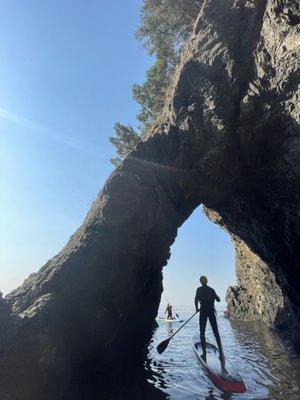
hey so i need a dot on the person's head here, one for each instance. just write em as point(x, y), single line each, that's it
point(203, 280)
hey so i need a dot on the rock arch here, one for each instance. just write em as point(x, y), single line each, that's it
point(228, 138)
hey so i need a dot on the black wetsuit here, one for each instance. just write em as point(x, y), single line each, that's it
point(206, 296)
point(169, 311)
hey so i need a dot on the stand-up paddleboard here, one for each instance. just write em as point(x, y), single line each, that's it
point(168, 320)
point(225, 378)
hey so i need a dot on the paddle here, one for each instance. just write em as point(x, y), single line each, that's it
point(172, 306)
point(164, 344)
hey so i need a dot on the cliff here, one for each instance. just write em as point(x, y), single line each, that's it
point(229, 139)
point(258, 297)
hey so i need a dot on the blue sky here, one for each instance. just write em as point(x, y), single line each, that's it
point(66, 72)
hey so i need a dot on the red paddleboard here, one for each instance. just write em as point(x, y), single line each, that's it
point(224, 377)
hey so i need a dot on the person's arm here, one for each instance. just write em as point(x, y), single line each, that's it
point(196, 301)
point(217, 298)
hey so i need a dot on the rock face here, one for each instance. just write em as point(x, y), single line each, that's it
point(228, 138)
point(259, 297)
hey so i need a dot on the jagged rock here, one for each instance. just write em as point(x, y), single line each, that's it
point(228, 138)
point(258, 296)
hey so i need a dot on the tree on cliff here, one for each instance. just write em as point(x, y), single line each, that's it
point(124, 141)
point(164, 27)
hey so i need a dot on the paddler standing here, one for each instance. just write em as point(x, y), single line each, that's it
point(169, 311)
point(206, 296)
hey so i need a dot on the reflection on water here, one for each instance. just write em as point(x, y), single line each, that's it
point(267, 369)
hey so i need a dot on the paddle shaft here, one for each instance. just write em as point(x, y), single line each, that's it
point(183, 325)
point(172, 306)
point(164, 344)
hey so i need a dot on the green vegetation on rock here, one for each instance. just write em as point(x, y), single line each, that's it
point(164, 27)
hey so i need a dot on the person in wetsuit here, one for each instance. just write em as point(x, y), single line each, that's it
point(169, 311)
point(206, 296)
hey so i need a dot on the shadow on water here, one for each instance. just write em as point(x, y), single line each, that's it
point(267, 369)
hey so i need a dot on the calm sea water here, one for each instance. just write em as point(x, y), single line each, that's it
point(267, 369)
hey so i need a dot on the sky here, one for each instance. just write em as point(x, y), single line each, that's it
point(66, 73)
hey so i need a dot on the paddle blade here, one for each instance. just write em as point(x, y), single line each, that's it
point(162, 346)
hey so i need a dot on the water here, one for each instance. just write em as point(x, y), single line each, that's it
point(266, 368)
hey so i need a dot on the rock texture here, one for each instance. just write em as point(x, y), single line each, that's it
point(259, 297)
point(228, 138)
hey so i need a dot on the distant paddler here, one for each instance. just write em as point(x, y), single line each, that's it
point(206, 296)
point(169, 311)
